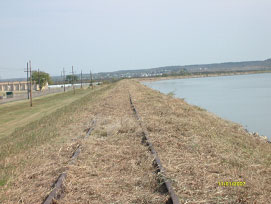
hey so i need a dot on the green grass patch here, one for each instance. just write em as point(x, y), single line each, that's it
point(3, 182)
point(17, 114)
point(49, 115)
point(171, 94)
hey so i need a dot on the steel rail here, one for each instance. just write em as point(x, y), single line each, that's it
point(58, 185)
point(160, 170)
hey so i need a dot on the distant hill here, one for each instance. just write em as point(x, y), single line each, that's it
point(216, 67)
point(171, 70)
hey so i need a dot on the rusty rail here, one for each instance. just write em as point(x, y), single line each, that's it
point(58, 185)
point(166, 186)
point(57, 189)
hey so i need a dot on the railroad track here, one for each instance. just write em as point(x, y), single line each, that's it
point(166, 186)
point(57, 190)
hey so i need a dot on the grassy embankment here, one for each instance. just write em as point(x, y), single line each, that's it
point(22, 126)
point(199, 150)
point(17, 114)
point(113, 166)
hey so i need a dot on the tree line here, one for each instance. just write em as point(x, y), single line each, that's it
point(43, 78)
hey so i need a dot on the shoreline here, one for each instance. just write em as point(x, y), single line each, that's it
point(256, 134)
point(206, 147)
point(151, 79)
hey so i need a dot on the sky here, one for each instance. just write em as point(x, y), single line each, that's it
point(111, 35)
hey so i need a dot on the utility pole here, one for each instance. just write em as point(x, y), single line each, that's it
point(28, 90)
point(91, 83)
point(30, 84)
point(27, 78)
point(64, 78)
point(39, 79)
point(61, 77)
point(81, 79)
point(73, 81)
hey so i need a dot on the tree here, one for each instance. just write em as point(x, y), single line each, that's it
point(183, 72)
point(41, 78)
point(71, 78)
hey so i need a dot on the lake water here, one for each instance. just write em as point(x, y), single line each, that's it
point(245, 99)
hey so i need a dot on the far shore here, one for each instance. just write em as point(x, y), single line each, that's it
point(150, 79)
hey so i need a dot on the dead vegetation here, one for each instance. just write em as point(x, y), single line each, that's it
point(50, 142)
point(199, 149)
point(113, 166)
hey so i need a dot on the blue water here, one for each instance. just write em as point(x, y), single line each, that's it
point(245, 99)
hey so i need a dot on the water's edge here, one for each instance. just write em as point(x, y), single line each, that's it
point(223, 96)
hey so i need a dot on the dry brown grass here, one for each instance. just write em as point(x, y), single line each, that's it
point(199, 149)
point(32, 171)
point(113, 166)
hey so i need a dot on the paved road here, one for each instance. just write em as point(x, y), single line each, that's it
point(23, 96)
